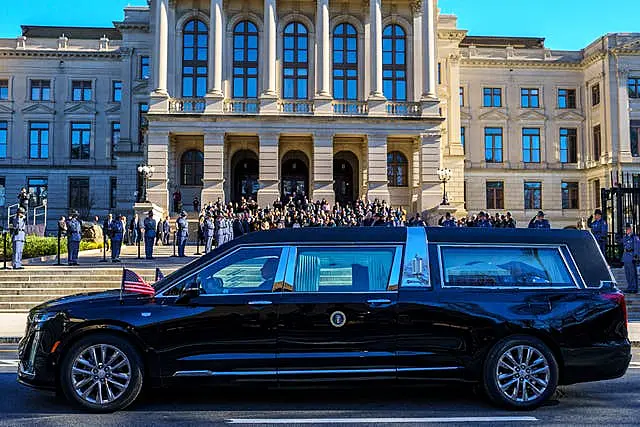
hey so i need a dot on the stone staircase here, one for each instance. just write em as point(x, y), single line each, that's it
point(633, 300)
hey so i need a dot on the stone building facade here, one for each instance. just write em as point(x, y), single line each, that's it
point(334, 99)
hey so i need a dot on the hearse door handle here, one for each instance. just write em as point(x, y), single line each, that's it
point(378, 302)
point(259, 303)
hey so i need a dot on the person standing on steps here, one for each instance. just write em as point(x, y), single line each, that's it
point(630, 258)
point(116, 232)
point(166, 231)
point(74, 235)
point(19, 237)
point(149, 235)
point(208, 232)
point(599, 228)
point(182, 234)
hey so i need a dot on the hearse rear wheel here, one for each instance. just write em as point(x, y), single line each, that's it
point(520, 372)
point(101, 373)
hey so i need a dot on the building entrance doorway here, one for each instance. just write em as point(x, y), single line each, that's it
point(245, 172)
point(295, 175)
point(345, 180)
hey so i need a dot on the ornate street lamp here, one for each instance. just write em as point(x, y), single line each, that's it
point(445, 176)
point(146, 172)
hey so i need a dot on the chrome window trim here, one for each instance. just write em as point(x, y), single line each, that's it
point(515, 245)
point(222, 256)
point(611, 276)
point(393, 274)
point(417, 246)
point(208, 373)
point(573, 262)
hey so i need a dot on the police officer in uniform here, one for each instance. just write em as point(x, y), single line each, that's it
point(630, 258)
point(539, 222)
point(74, 233)
point(599, 228)
point(483, 221)
point(19, 236)
point(182, 235)
point(208, 230)
point(149, 235)
point(116, 232)
point(449, 222)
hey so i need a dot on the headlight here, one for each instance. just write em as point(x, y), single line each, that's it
point(43, 317)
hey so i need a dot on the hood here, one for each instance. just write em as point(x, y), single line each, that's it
point(106, 297)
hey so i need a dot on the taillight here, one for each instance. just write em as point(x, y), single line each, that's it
point(618, 298)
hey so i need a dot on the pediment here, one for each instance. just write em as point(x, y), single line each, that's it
point(141, 88)
point(493, 115)
point(569, 116)
point(38, 109)
point(79, 109)
point(465, 116)
point(114, 109)
point(532, 115)
point(5, 108)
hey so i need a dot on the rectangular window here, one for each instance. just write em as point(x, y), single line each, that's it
point(531, 145)
point(463, 137)
point(79, 193)
point(116, 91)
point(351, 269)
point(492, 97)
point(530, 98)
point(4, 90)
point(635, 138)
point(145, 67)
point(38, 189)
point(81, 90)
point(570, 195)
point(40, 90)
point(461, 96)
point(439, 73)
point(3, 191)
point(495, 195)
point(4, 138)
point(568, 145)
point(595, 94)
point(143, 109)
point(80, 141)
point(493, 145)
point(486, 266)
point(115, 137)
point(634, 87)
point(596, 194)
point(566, 99)
point(533, 195)
point(113, 191)
point(38, 140)
point(597, 143)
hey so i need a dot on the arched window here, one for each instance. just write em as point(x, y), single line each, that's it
point(192, 168)
point(397, 169)
point(296, 61)
point(394, 63)
point(195, 52)
point(245, 60)
point(345, 62)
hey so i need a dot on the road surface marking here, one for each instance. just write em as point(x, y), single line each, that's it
point(379, 420)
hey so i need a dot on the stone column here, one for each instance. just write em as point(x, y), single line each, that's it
point(269, 50)
point(429, 35)
point(375, 11)
point(430, 187)
point(455, 144)
point(323, 167)
point(216, 40)
point(322, 42)
point(161, 47)
point(416, 9)
point(269, 172)
point(158, 156)
point(624, 122)
point(213, 178)
point(377, 180)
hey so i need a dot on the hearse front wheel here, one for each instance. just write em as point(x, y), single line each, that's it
point(520, 372)
point(102, 373)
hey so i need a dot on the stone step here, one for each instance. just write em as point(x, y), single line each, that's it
point(33, 299)
point(41, 292)
point(79, 282)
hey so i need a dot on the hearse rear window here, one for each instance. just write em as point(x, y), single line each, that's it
point(485, 266)
point(343, 269)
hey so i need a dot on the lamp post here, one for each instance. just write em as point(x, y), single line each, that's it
point(146, 172)
point(445, 176)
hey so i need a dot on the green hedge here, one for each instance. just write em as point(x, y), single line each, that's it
point(37, 246)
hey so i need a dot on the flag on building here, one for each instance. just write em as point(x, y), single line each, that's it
point(132, 282)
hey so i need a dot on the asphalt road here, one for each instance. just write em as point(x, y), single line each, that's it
point(614, 402)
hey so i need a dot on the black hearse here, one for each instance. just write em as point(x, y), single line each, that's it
point(516, 311)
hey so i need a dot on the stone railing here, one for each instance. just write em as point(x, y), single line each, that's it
point(295, 106)
point(350, 108)
point(404, 108)
point(187, 105)
point(242, 106)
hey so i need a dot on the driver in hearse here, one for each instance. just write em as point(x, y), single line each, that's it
point(268, 272)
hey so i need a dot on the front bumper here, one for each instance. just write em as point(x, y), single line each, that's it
point(37, 365)
point(600, 362)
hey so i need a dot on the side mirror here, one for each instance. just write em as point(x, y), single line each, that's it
point(189, 292)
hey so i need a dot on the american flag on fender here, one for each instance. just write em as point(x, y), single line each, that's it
point(132, 282)
point(159, 275)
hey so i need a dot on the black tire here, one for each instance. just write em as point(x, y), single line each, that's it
point(491, 380)
point(136, 372)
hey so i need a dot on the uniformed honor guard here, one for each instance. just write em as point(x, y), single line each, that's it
point(182, 233)
point(539, 222)
point(19, 236)
point(599, 228)
point(149, 235)
point(483, 221)
point(116, 232)
point(449, 222)
point(208, 233)
point(74, 235)
point(630, 258)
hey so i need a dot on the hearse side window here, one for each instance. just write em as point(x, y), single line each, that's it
point(343, 269)
point(248, 270)
point(484, 266)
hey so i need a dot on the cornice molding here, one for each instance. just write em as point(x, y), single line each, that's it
point(452, 35)
point(116, 54)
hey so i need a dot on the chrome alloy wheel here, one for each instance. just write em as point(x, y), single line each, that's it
point(522, 373)
point(100, 374)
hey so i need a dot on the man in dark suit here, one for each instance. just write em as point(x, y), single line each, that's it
point(149, 235)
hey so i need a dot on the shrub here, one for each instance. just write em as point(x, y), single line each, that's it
point(37, 246)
